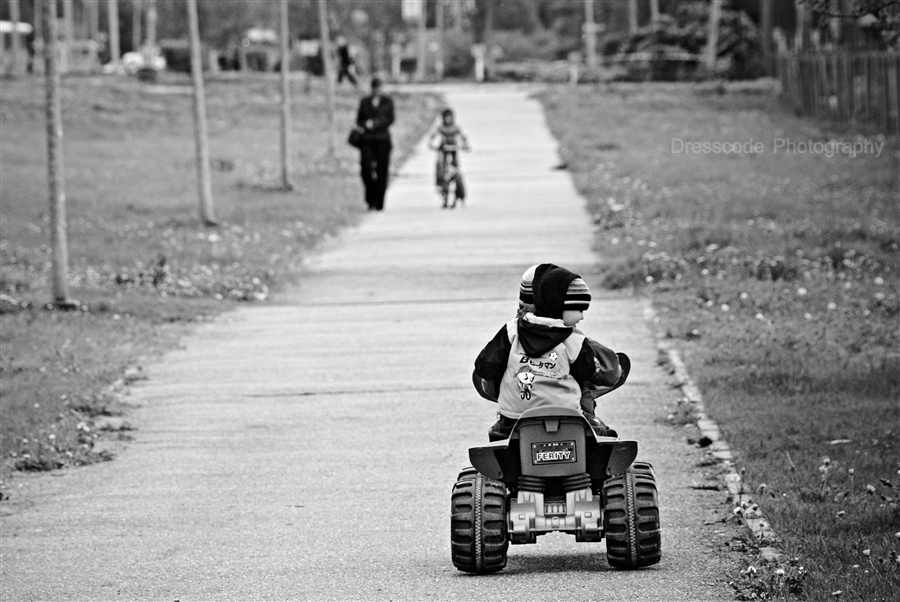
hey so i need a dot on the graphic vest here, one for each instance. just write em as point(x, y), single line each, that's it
point(532, 382)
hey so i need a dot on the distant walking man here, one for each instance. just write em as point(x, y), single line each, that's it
point(374, 117)
point(346, 66)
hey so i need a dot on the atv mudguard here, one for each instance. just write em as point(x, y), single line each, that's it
point(605, 456)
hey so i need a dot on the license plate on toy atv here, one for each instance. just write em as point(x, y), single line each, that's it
point(556, 452)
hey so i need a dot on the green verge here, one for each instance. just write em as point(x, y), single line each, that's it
point(776, 274)
point(141, 265)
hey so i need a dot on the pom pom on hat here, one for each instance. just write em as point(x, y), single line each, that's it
point(526, 292)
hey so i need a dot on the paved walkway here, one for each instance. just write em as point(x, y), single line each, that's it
point(306, 449)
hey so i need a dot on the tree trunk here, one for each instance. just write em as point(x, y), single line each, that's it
point(532, 17)
point(92, 8)
point(712, 42)
point(654, 12)
point(151, 23)
point(439, 25)
point(136, 10)
point(286, 181)
point(201, 137)
point(590, 35)
point(37, 64)
point(765, 34)
point(488, 34)
point(801, 32)
point(65, 63)
point(115, 52)
point(329, 72)
point(422, 58)
point(835, 8)
point(378, 42)
point(15, 49)
point(59, 243)
point(632, 16)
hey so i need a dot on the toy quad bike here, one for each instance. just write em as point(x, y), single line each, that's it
point(554, 473)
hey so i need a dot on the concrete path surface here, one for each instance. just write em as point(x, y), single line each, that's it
point(306, 449)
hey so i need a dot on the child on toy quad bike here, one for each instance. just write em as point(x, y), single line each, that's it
point(447, 140)
point(589, 391)
point(540, 358)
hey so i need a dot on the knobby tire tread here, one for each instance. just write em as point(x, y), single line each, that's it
point(479, 541)
point(631, 518)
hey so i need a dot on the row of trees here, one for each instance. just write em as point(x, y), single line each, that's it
point(555, 27)
point(56, 169)
point(218, 21)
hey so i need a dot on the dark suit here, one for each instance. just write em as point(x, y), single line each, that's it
point(375, 152)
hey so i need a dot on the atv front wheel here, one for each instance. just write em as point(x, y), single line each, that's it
point(631, 518)
point(478, 535)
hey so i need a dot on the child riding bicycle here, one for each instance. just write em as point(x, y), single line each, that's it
point(447, 140)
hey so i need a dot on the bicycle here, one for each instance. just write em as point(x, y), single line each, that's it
point(450, 181)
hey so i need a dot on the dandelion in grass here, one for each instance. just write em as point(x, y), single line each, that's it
point(879, 281)
point(760, 317)
point(879, 296)
point(808, 316)
point(867, 552)
point(831, 306)
point(725, 307)
point(824, 469)
point(801, 292)
point(744, 296)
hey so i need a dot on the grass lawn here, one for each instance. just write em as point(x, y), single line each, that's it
point(141, 265)
point(777, 276)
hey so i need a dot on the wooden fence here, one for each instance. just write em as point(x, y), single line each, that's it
point(849, 87)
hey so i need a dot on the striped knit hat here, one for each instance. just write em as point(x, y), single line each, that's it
point(556, 290)
point(578, 295)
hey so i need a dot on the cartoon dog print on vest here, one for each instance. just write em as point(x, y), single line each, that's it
point(525, 379)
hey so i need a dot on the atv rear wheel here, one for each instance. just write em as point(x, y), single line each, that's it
point(478, 533)
point(631, 518)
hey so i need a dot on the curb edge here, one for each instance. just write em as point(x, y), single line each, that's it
point(743, 503)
